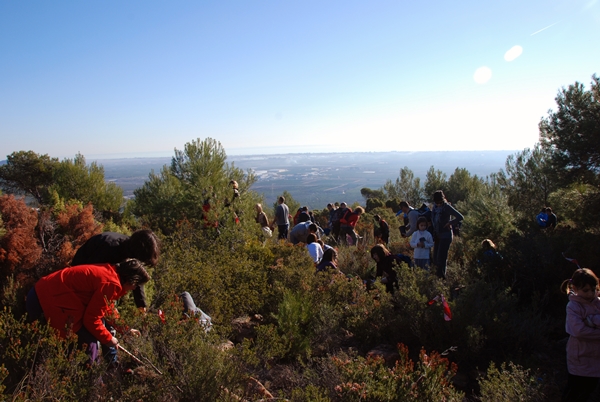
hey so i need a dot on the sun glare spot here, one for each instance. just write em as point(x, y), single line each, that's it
point(482, 75)
point(513, 53)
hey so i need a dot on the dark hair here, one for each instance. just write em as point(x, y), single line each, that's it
point(439, 196)
point(377, 218)
point(420, 220)
point(311, 238)
point(312, 227)
point(580, 278)
point(380, 251)
point(282, 199)
point(144, 246)
point(403, 204)
point(132, 272)
point(329, 255)
point(549, 210)
point(487, 243)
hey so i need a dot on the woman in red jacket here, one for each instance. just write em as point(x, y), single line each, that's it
point(348, 223)
point(76, 299)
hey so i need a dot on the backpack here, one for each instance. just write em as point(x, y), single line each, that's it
point(542, 219)
point(425, 212)
point(344, 219)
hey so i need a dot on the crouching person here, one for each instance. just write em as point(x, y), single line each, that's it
point(76, 299)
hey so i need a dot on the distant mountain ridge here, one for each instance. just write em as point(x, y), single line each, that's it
point(314, 179)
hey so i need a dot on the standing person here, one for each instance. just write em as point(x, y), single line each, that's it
point(282, 213)
point(552, 219)
point(112, 248)
point(384, 230)
point(411, 215)
point(583, 347)
point(77, 299)
point(335, 222)
point(263, 221)
point(348, 223)
point(442, 230)
point(421, 241)
point(332, 213)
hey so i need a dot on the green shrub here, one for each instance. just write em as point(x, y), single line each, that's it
point(192, 364)
point(510, 384)
point(38, 365)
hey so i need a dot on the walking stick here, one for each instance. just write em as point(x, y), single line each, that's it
point(142, 363)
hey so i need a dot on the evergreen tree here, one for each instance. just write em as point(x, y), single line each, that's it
point(28, 173)
point(197, 187)
point(74, 180)
point(571, 134)
point(434, 180)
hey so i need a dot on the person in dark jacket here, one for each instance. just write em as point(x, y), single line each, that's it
point(442, 230)
point(383, 232)
point(329, 261)
point(112, 248)
point(385, 265)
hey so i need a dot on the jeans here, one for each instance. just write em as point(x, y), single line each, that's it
point(283, 231)
point(422, 263)
point(440, 255)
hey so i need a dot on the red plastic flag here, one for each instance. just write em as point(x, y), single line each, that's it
point(430, 302)
point(573, 260)
point(447, 312)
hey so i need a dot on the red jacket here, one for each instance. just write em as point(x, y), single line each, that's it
point(77, 296)
point(350, 218)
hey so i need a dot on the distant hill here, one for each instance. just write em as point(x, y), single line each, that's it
point(314, 179)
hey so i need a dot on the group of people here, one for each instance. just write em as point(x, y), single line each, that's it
point(79, 298)
point(431, 228)
point(426, 229)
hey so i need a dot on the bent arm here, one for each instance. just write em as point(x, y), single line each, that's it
point(412, 223)
point(457, 215)
point(575, 324)
point(94, 312)
point(414, 240)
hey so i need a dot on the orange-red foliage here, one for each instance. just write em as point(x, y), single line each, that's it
point(62, 233)
point(19, 248)
point(78, 225)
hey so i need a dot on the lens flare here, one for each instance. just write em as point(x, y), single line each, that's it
point(482, 75)
point(513, 53)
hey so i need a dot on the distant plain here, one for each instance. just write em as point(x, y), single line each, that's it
point(314, 179)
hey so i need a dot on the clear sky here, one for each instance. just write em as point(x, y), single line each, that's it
point(135, 78)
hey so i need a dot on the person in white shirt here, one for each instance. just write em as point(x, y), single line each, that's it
point(314, 249)
point(421, 241)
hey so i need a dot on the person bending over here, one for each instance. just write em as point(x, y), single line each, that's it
point(77, 299)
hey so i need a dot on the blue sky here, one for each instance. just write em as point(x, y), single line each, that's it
point(142, 78)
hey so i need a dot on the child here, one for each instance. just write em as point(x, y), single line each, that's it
point(421, 241)
point(329, 261)
point(314, 248)
point(583, 347)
